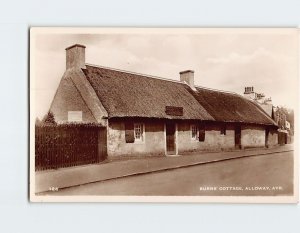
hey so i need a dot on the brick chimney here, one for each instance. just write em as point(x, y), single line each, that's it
point(249, 93)
point(75, 57)
point(188, 77)
point(249, 90)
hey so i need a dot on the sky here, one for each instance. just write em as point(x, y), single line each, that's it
point(222, 60)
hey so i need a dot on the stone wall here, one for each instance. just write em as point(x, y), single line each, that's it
point(273, 138)
point(155, 144)
point(214, 140)
point(253, 136)
point(154, 141)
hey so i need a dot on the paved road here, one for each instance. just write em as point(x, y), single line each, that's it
point(258, 175)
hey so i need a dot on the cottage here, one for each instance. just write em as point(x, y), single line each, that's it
point(146, 115)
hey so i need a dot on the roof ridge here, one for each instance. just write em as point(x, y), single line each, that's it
point(136, 73)
point(164, 79)
point(259, 107)
point(218, 90)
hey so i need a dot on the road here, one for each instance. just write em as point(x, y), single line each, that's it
point(261, 175)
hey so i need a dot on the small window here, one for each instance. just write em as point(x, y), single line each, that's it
point(139, 132)
point(194, 130)
point(223, 129)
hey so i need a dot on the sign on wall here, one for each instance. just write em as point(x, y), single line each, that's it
point(74, 116)
point(174, 111)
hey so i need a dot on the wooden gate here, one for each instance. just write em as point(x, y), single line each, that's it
point(102, 143)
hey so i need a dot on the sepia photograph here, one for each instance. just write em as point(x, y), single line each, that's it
point(164, 115)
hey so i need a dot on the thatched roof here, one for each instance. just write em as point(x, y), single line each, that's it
point(230, 107)
point(125, 94)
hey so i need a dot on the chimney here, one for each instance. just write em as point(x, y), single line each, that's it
point(188, 77)
point(75, 57)
point(249, 90)
point(249, 93)
point(268, 100)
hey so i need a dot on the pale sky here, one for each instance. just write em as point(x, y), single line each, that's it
point(225, 61)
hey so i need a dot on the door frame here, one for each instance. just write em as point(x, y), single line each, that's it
point(175, 139)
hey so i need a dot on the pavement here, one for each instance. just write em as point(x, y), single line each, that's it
point(74, 176)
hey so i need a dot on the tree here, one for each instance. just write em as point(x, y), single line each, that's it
point(49, 118)
point(289, 116)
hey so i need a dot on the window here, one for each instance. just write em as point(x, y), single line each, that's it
point(223, 129)
point(194, 130)
point(139, 132)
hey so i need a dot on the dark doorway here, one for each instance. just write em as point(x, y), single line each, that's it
point(267, 137)
point(170, 138)
point(237, 136)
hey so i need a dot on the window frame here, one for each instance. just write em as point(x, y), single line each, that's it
point(142, 139)
point(194, 139)
point(223, 130)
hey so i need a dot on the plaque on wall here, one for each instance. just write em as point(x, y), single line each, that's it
point(174, 111)
point(74, 116)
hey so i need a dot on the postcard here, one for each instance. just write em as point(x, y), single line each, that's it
point(164, 115)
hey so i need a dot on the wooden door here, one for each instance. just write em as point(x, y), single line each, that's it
point(102, 144)
point(267, 137)
point(170, 138)
point(237, 136)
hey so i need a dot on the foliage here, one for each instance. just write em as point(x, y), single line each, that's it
point(289, 113)
point(49, 118)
